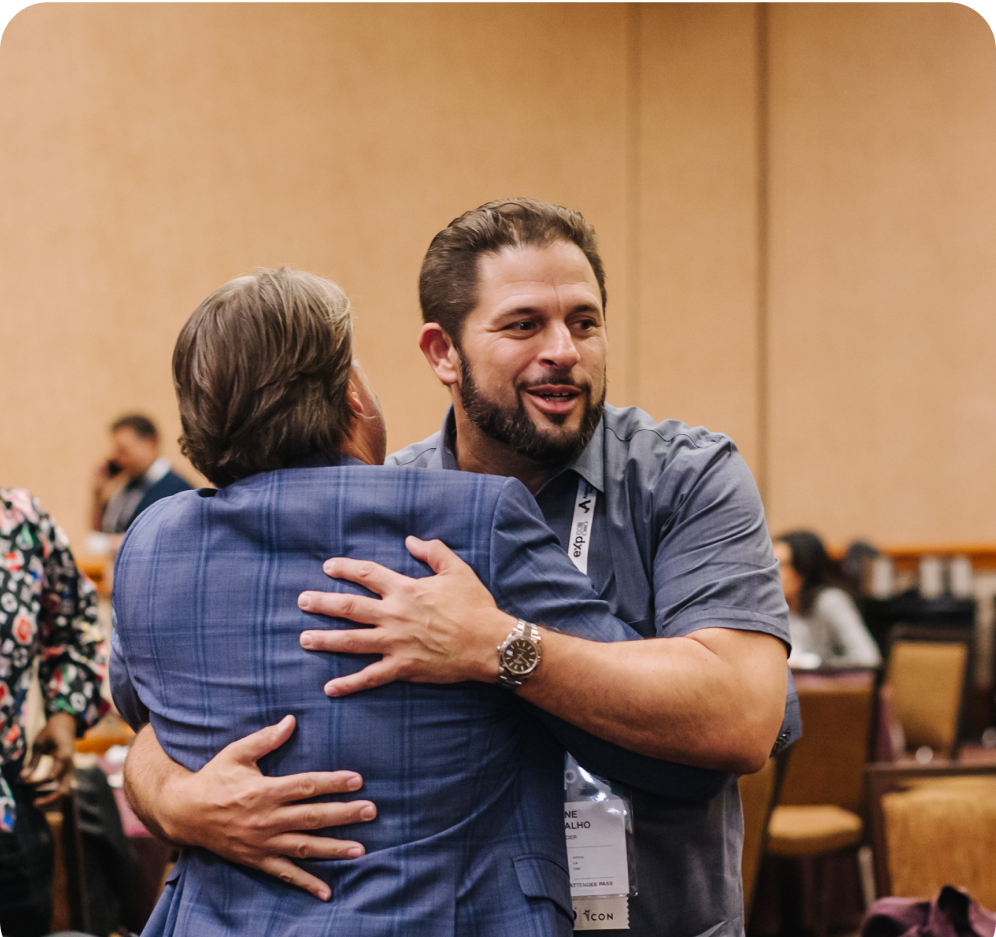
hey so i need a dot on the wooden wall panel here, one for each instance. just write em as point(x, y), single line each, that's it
point(149, 152)
point(883, 271)
point(698, 217)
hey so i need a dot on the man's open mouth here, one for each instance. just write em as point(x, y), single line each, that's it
point(554, 398)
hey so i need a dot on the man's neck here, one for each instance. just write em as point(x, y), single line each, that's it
point(475, 451)
point(138, 473)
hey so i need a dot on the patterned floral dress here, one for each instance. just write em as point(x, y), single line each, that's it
point(48, 610)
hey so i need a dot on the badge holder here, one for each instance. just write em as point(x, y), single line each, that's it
point(601, 856)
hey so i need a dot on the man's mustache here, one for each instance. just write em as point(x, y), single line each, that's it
point(563, 378)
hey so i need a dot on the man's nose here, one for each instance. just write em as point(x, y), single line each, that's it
point(559, 349)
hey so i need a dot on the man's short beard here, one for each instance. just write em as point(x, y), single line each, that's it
point(513, 428)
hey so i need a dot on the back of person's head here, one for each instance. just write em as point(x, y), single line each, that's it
point(261, 371)
point(140, 425)
point(857, 560)
point(813, 564)
point(447, 286)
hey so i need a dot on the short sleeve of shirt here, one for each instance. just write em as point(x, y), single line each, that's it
point(532, 577)
point(713, 566)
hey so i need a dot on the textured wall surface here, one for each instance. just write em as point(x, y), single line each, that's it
point(797, 207)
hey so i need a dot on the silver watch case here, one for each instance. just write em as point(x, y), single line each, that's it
point(519, 654)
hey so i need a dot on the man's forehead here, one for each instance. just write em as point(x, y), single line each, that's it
point(559, 267)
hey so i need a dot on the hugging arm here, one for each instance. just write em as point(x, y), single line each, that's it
point(711, 699)
point(229, 806)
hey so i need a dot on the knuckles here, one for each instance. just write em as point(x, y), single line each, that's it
point(306, 788)
point(302, 850)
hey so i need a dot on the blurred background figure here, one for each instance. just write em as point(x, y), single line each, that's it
point(133, 477)
point(824, 621)
point(48, 616)
point(857, 566)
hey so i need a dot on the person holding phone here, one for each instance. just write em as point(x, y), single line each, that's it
point(135, 476)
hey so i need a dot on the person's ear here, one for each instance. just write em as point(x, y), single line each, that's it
point(353, 398)
point(440, 352)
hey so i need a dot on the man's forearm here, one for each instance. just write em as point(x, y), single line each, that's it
point(715, 700)
point(148, 777)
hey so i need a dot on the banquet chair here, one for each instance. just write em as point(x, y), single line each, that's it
point(933, 825)
point(758, 795)
point(819, 809)
point(927, 671)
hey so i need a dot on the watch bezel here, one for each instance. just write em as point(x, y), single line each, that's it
point(530, 635)
point(512, 666)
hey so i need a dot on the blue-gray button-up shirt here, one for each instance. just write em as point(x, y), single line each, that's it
point(678, 543)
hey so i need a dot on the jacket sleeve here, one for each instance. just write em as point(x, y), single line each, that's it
point(73, 654)
point(533, 578)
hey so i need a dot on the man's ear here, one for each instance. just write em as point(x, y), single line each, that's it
point(440, 352)
point(353, 398)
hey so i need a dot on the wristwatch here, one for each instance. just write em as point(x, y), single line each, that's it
point(519, 654)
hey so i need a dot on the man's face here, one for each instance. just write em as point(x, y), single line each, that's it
point(133, 453)
point(533, 351)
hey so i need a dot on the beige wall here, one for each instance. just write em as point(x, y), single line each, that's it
point(883, 271)
point(797, 208)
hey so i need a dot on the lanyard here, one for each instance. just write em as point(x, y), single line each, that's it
point(584, 513)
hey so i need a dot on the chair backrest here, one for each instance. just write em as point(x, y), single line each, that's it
point(827, 763)
point(758, 795)
point(933, 825)
point(926, 673)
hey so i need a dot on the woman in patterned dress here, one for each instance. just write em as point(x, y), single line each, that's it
point(48, 613)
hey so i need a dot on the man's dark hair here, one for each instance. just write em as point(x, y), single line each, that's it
point(261, 371)
point(447, 285)
point(140, 425)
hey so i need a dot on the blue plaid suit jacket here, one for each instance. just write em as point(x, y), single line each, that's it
point(468, 838)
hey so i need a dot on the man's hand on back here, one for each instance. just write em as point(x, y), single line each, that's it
point(232, 809)
point(440, 629)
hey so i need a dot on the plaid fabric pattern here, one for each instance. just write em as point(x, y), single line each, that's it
point(469, 836)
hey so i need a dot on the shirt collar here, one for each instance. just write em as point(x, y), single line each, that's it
point(157, 471)
point(444, 457)
point(590, 465)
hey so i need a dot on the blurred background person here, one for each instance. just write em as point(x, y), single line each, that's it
point(857, 566)
point(824, 621)
point(134, 476)
point(48, 614)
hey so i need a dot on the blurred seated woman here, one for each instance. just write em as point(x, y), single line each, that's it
point(825, 625)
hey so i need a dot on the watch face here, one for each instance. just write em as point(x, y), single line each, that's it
point(520, 656)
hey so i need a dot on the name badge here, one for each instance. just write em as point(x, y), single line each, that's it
point(598, 829)
point(596, 847)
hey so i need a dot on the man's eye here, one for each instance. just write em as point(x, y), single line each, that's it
point(586, 325)
point(525, 326)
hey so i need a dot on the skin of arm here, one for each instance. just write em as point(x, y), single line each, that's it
point(234, 810)
point(712, 699)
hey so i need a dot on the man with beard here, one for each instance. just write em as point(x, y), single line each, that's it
point(664, 519)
